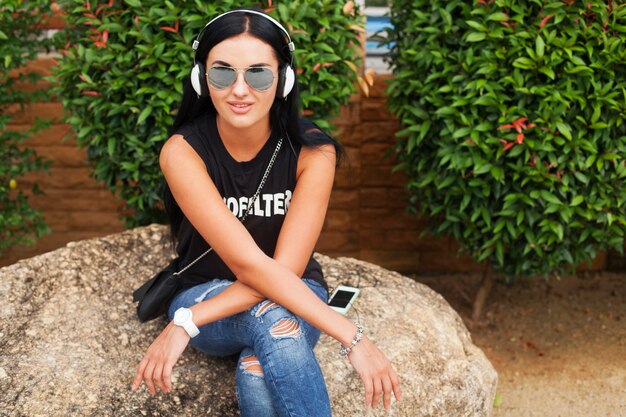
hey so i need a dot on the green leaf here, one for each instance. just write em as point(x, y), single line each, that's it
point(111, 146)
point(144, 114)
point(476, 37)
point(548, 72)
point(482, 169)
point(498, 17)
point(476, 25)
point(564, 129)
point(577, 200)
point(581, 177)
point(539, 46)
point(524, 63)
point(549, 197)
point(558, 229)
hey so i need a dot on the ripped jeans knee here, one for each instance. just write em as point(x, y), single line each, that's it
point(283, 323)
point(250, 365)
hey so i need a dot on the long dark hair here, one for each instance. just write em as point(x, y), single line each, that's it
point(284, 113)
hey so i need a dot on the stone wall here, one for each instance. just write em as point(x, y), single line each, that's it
point(366, 217)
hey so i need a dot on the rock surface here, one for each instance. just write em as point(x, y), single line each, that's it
point(70, 342)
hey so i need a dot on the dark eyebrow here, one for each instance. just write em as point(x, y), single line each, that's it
point(226, 64)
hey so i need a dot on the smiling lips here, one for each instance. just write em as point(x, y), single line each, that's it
point(239, 107)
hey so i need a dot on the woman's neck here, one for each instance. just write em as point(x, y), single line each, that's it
point(243, 144)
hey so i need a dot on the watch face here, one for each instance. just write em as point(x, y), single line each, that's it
point(182, 315)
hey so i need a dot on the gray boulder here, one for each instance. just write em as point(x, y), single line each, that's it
point(70, 342)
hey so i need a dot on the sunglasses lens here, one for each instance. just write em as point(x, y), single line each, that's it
point(259, 78)
point(222, 77)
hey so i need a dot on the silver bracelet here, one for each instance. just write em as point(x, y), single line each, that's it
point(343, 351)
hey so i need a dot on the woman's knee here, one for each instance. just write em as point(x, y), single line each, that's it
point(278, 323)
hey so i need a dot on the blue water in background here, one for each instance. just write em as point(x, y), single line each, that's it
point(374, 24)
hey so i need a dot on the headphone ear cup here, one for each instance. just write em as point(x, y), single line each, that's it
point(286, 80)
point(198, 80)
point(289, 79)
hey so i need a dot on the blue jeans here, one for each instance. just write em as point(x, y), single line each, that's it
point(277, 373)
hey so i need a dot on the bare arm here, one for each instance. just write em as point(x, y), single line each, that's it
point(186, 174)
point(298, 234)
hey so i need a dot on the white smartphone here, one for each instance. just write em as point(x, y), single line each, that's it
point(342, 298)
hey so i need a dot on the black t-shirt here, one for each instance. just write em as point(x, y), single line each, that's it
point(237, 182)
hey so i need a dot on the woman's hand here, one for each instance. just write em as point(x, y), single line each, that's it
point(376, 372)
point(156, 367)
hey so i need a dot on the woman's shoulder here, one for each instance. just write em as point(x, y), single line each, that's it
point(318, 150)
point(176, 150)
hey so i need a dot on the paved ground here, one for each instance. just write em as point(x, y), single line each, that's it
point(559, 345)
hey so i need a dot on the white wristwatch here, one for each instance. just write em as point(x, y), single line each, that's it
point(182, 318)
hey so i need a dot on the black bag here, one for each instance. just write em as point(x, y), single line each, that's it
point(156, 294)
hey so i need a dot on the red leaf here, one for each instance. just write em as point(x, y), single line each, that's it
point(105, 36)
point(508, 146)
point(90, 93)
point(169, 29)
point(88, 5)
point(90, 15)
point(520, 138)
point(100, 44)
point(545, 20)
point(507, 126)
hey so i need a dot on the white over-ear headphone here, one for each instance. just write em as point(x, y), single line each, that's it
point(286, 76)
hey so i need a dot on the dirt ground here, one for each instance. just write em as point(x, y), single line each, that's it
point(559, 345)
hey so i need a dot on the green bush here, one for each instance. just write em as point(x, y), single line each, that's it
point(513, 135)
point(123, 64)
point(19, 222)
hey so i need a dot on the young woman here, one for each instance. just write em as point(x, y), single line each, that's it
point(249, 183)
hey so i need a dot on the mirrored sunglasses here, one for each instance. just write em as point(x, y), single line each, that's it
point(259, 78)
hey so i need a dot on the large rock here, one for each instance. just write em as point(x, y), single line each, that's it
point(70, 342)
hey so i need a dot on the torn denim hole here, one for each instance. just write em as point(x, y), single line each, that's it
point(286, 328)
point(202, 296)
point(264, 307)
point(251, 365)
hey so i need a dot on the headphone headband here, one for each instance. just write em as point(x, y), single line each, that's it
point(286, 78)
point(290, 43)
